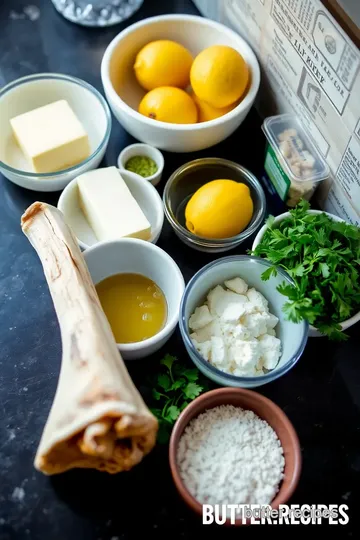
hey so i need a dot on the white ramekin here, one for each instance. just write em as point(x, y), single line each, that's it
point(130, 255)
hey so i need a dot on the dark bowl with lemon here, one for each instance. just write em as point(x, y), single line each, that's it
point(214, 204)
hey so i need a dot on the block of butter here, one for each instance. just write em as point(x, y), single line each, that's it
point(51, 137)
point(109, 207)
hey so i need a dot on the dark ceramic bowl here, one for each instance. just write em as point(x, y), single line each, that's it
point(265, 409)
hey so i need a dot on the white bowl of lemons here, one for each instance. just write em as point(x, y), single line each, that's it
point(167, 79)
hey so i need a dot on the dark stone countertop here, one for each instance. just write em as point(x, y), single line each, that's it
point(321, 395)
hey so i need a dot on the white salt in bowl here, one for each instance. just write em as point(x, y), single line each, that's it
point(144, 193)
point(133, 256)
point(293, 336)
point(34, 91)
point(264, 408)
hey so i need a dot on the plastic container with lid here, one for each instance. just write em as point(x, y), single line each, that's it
point(293, 165)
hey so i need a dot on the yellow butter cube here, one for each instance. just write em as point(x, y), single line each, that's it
point(51, 137)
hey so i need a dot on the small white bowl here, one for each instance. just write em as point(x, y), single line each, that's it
point(313, 332)
point(293, 336)
point(33, 91)
point(139, 149)
point(124, 93)
point(130, 255)
point(145, 194)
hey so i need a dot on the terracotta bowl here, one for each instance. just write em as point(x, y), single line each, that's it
point(265, 409)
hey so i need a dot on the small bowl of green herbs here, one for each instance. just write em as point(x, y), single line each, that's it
point(144, 160)
point(321, 252)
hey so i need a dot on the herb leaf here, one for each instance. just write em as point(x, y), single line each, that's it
point(164, 381)
point(173, 387)
point(268, 273)
point(168, 361)
point(323, 258)
point(173, 412)
point(191, 374)
point(192, 390)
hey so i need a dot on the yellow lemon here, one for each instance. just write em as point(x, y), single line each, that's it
point(207, 112)
point(169, 104)
point(219, 75)
point(219, 209)
point(163, 63)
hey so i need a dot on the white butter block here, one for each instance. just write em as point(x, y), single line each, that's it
point(51, 137)
point(109, 207)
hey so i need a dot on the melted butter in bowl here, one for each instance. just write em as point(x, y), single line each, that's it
point(135, 306)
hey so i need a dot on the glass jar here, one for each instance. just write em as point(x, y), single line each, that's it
point(97, 12)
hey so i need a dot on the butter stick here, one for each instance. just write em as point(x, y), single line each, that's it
point(109, 206)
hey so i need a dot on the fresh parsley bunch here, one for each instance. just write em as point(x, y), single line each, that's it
point(323, 258)
point(173, 388)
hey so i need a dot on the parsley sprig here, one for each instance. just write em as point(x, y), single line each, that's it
point(323, 258)
point(173, 388)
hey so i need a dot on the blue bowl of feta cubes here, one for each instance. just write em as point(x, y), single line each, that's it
point(233, 325)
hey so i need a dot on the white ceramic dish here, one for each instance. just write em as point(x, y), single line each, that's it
point(313, 332)
point(136, 256)
point(293, 336)
point(145, 194)
point(34, 91)
point(124, 93)
point(139, 149)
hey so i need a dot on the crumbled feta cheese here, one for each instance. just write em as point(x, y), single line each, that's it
point(205, 333)
point(245, 354)
point(237, 285)
point(233, 312)
point(235, 331)
point(256, 323)
point(271, 321)
point(257, 300)
point(214, 298)
point(203, 348)
point(218, 351)
point(270, 351)
point(200, 318)
point(219, 300)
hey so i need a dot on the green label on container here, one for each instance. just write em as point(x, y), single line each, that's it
point(279, 179)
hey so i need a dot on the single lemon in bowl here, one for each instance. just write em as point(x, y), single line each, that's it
point(169, 104)
point(219, 209)
point(207, 112)
point(219, 75)
point(163, 63)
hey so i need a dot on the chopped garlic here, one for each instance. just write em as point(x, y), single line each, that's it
point(302, 164)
